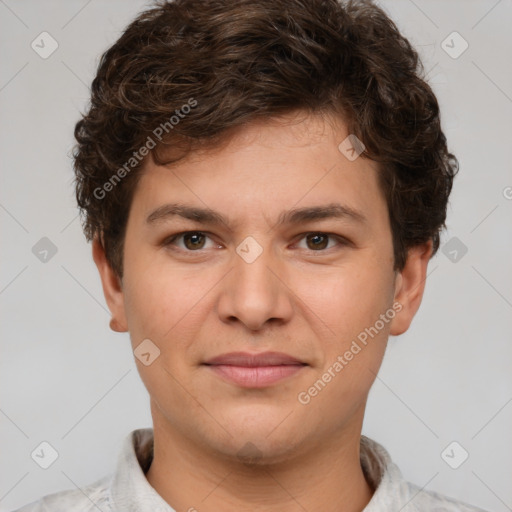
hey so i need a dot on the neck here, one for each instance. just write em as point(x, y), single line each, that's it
point(325, 478)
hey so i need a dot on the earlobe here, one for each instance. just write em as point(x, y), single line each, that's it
point(409, 287)
point(112, 288)
point(114, 326)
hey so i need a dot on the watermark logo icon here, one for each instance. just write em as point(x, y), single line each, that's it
point(249, 249)
point(454, 45)
point(454, 455)
point(146, 352)
point(44, 250)
point(351, 147)
point(44, 45)
point(249, 453)
point(454, 249)
point(44, 455)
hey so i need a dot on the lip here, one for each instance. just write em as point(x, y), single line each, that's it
point(254, 360)
point(255, 370)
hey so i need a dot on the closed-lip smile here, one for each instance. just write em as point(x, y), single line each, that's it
point(254, 370)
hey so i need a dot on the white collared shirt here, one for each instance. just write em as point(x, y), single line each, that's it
point(128, 490)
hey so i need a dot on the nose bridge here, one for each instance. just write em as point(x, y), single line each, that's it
point(252, 268)
point(253, 294)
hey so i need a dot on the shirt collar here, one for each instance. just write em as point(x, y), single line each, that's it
point(392, 492)
point(130, 490)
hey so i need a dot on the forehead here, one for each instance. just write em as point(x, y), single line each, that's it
point(267, 166)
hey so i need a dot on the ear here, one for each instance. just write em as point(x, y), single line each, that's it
point(409, 287)
point(112, 287)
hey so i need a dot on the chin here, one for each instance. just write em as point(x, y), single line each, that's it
point(260, 444)
point(257, 451)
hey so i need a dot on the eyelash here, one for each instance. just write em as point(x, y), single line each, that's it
point(170, 240)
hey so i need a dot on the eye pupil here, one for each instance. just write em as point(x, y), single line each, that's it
point(193, 240)
point(319, 240)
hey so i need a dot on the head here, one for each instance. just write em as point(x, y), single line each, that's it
point(231, 120)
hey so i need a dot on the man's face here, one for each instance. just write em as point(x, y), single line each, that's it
point(304, 286)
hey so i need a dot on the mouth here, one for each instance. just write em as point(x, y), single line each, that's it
point(255, 370)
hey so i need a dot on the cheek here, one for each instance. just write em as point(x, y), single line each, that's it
point(351, 305)
point(163, 305)
point(151, 296)
point(163, 302)
point(347, 299)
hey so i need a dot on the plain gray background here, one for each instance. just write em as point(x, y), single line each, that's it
point(68, 380)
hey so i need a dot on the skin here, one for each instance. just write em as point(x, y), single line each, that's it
point(310, 303)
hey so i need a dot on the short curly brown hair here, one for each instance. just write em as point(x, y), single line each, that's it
point(188, 73)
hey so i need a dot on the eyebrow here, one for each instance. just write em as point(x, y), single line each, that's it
point(293, 216)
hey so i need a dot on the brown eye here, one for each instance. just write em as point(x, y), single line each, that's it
point(316, 241)
point(193, 240)
point(190, 241)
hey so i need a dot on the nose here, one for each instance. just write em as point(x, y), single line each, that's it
point(255, 292)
